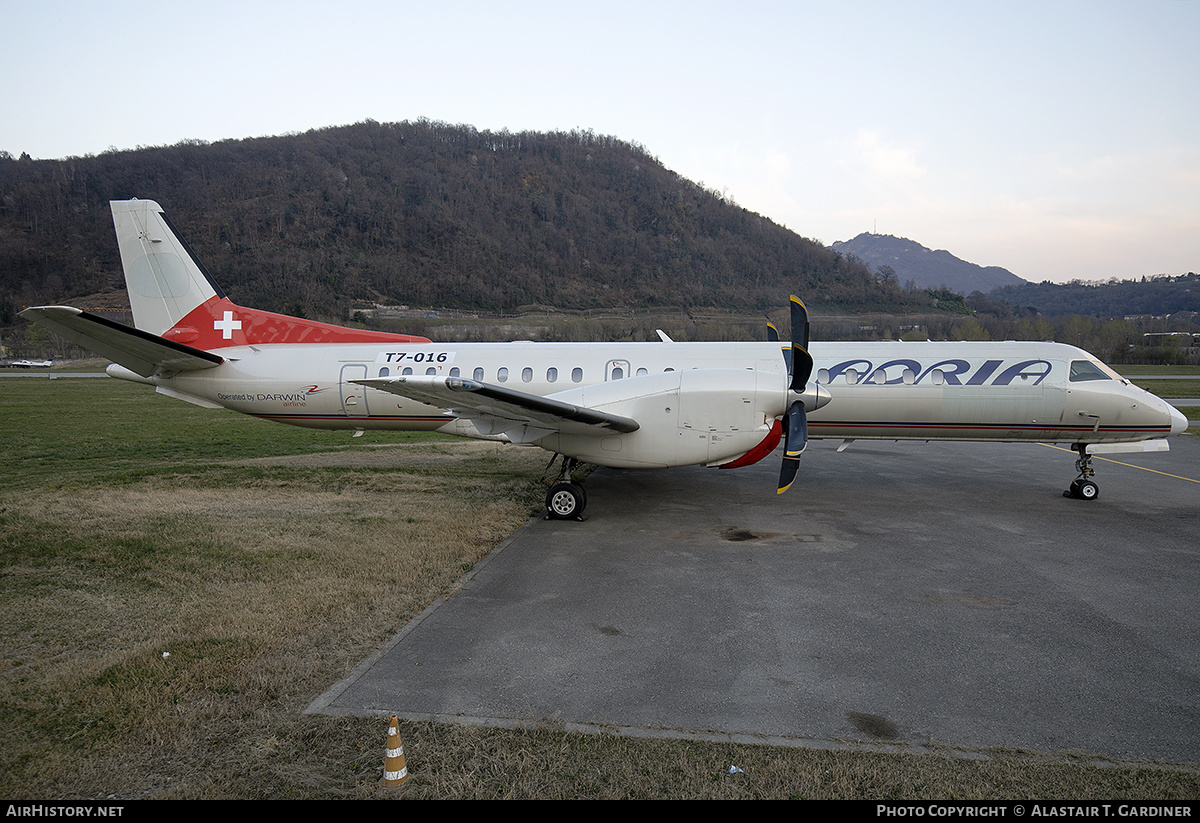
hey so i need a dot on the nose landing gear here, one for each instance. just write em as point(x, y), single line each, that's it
point(1083, 487)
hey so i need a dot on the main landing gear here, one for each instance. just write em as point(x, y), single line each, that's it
point(1083, 487)
point(566, 500)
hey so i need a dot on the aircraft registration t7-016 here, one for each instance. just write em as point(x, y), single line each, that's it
point(634, 405)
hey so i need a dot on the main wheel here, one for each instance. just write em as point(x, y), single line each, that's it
point(565, 501)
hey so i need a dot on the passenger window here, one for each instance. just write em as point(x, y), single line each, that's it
point(640, 372)
point(551, 375)
point(823, 376)
point(385, 371)
point(1086, 370)
point(526, 374)
point(576, 374)
point(617, 373)
point(851, 377)
point(478, 374)
point(407, 370)
point(431, 370)
point(502, 374)
point(454, 371)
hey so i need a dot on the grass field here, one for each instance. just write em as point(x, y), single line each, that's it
point(1168, 388)
point(1134, 371)
point(179, 584)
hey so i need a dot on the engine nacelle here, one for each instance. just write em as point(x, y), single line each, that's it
point(684, 417)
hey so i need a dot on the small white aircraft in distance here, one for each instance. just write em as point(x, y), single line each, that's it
point(630, 405)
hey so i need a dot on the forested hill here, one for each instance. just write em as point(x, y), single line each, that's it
point(425, 214)
point(1160, 295)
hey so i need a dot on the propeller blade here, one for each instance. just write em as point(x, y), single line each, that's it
point(799, 322)
point(797, 430)
point(795, 424)
point(795, 434)
point(787, 474)
point(802, 362)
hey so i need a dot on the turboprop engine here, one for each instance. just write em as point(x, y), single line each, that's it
point(722, 417)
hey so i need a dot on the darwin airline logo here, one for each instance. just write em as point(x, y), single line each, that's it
point(296, 398)
point(951, 372)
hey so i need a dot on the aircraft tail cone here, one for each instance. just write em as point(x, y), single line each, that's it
point(395, 770)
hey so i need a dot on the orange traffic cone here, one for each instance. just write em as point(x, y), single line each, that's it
point(395, 771)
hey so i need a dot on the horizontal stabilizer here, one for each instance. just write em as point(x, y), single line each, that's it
point(139, 351)
point(500, 408)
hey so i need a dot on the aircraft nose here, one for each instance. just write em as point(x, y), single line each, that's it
point(1179, 422)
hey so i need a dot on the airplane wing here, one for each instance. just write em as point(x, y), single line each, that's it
point(497, 410)
point(139, 351)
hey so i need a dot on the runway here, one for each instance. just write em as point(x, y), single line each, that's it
point(900, 594)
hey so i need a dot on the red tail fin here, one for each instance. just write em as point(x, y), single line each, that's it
point(218, 322)
point(172, 295)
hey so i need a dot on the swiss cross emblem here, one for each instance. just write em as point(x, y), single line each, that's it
point(226, 326)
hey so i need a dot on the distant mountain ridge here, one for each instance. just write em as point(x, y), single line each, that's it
point(926, 268)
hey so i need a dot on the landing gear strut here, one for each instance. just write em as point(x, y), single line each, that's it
point(566, 500)
point(1083, 487)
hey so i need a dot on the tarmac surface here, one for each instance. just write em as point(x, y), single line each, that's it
point(899, 595)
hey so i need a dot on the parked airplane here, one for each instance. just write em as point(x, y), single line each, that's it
point(633, 405)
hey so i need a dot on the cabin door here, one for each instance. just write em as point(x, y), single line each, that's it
point(354, 396)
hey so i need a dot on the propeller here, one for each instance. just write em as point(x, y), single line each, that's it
point(795, 422)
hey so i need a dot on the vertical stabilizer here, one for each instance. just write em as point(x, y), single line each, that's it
point(166, 283)
point(173, 296)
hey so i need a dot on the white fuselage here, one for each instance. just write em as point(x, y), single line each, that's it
point(893, 390)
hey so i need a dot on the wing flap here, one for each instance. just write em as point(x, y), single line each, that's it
point(139, 351)
point(501, 409)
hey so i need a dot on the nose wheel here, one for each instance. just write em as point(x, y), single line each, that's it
point(1083, 487)
point(1083, 490)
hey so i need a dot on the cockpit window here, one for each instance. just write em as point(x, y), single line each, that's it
point(1086, 370)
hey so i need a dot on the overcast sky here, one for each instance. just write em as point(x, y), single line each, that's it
point(1059, 140)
